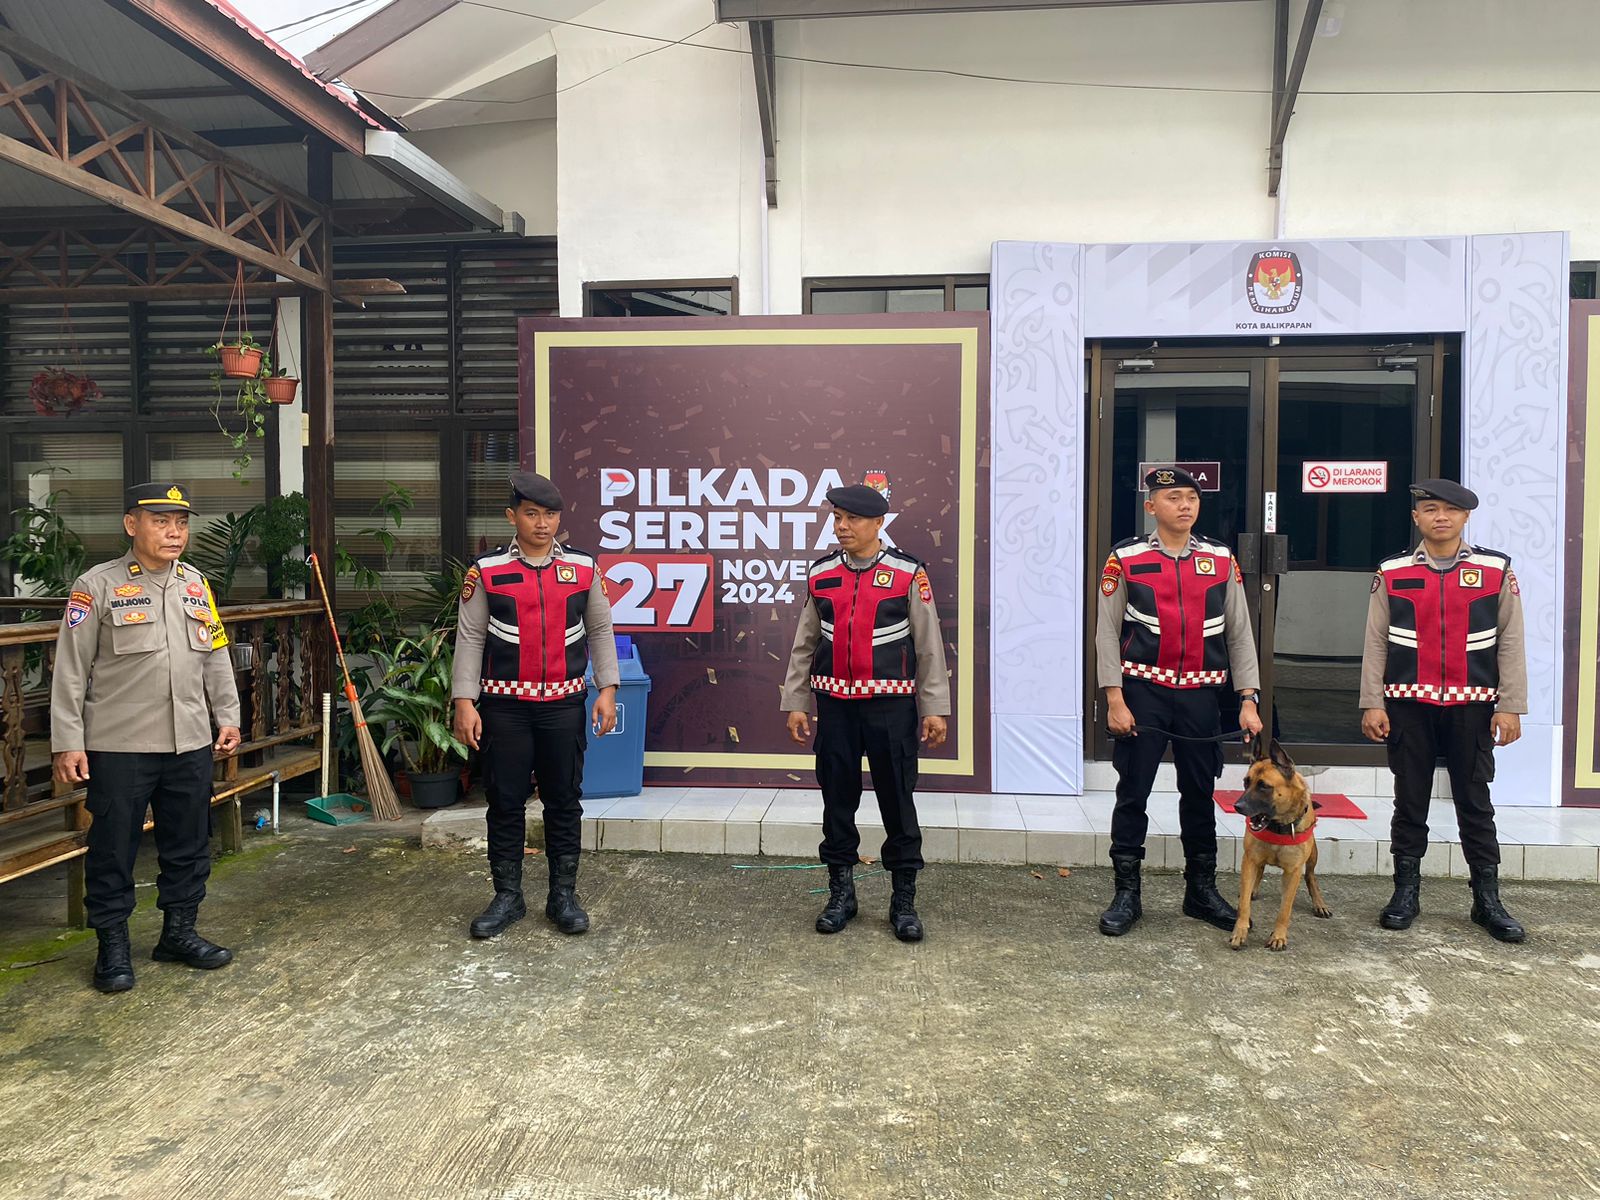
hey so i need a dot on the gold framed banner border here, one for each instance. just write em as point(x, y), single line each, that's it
point(966, 340)
point(1584, 772)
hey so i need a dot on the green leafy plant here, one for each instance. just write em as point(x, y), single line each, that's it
point(265, 535)
point(411, 699)
point(249, 402)
point(44, 549)
point(435, 603)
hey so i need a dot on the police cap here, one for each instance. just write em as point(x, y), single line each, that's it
point(1447, 490)
point(525, 485)
point(1169, 477)
point(156, 497)
point(859, 499)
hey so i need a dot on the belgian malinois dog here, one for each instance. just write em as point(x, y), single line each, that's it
point(1279, 829)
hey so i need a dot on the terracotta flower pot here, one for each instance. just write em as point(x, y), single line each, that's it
point(240, 362)
point(280, 389)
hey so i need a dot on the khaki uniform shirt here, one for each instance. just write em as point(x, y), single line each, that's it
point(1509, 650)
point(1243, 669)
point(141, 662)
point(933, 680)
point(472, 626)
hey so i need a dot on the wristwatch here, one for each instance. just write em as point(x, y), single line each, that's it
point(1252, 695)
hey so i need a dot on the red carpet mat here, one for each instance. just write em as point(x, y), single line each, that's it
point(1334, 804)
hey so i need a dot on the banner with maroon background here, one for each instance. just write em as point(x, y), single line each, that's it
point(694, 454)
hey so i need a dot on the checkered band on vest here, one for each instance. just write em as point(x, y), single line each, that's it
point(532, 691)
point(1174, 627)
point(847, 689)
point(1433, 695)
point(865, 645)
point(1174, 679)
point(1443, 638)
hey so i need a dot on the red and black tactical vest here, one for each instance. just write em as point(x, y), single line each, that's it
point(1444, 627)
point(537, 645)
point(865, 649)
point(1173, 628)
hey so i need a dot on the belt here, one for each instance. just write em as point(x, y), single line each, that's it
point(856, 689)
point(524, 690)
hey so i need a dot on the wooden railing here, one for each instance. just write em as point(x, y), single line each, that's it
point(42, 823)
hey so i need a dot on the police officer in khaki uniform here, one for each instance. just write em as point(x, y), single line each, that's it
point(868, 658)
point(1443, 673)
point(142, 669)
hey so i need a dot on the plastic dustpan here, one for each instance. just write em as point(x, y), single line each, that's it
point(341, 808)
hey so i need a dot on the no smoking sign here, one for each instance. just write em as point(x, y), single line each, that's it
point(1344, 477)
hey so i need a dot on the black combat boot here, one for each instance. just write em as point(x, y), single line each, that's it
point(903, 907)
point(1405, 904)
point(113, 966)
point(1125, 906)
point(841, 904)
point(1201, 899)
point(1487, 909)
point(562, 906)
point(180, 943)
point(507, 907)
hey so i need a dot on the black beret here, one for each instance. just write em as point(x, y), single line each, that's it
point(157, 497)
point(1168, 477)
point(1447, 490)
point(536, 489)
point(859, 499)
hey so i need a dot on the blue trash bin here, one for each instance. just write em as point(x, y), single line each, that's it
point(614, 765)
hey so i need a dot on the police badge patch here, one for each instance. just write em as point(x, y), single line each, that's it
point(1471, 577)
point(469, 584)
point(882, 578)
point(566, 573)
point(924, 588)
point(1205, 566)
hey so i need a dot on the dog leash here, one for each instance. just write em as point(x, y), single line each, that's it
point(1178, 737)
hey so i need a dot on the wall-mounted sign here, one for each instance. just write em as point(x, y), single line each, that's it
point(1319, 477)
point(1207, 474)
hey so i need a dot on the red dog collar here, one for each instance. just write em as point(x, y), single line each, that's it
point(1284, 839)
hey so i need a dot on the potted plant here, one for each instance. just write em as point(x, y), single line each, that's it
point(56, 391)
point(280, 386)
point(412, 702)
point(241, 358)
point(249, 401)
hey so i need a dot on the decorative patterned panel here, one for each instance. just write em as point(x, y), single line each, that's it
point(1038, 521)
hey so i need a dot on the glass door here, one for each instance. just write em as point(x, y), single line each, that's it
point(1206, 414)
point(1344, 438)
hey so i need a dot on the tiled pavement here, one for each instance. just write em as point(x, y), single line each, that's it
point(1072, 831)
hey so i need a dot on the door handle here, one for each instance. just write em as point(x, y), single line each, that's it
point(1277, 554)
point(1250, 553)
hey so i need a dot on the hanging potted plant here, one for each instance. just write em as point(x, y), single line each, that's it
point(240, 357)
point(58, 391)
point(281, 385)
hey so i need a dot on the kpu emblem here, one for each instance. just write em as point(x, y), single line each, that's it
point(878, 481)
point(1471, 577)
point(1273, 283)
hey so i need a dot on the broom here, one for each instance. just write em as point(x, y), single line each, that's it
point(380, 791)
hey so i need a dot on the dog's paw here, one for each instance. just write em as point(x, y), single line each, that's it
point(1277, 943)
point(1238, 939)
point(1322, 912)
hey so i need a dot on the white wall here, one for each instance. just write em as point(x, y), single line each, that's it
point(512, 162)
point(654, 154)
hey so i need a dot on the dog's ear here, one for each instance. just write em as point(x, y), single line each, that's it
point(1258, 748)
point(1281, 759)
point(1316, 804)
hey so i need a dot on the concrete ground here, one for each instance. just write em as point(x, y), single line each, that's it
point(703, 1042)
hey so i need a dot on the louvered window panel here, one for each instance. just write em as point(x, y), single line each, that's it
point(496, 284)
point(394, 355)
point(177, 369)
point(86, 339)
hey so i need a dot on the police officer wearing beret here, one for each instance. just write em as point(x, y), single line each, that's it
point(1443, 672)
point(533, 614)
point(1173, 629)
point(868, 658)
point(142, 670)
